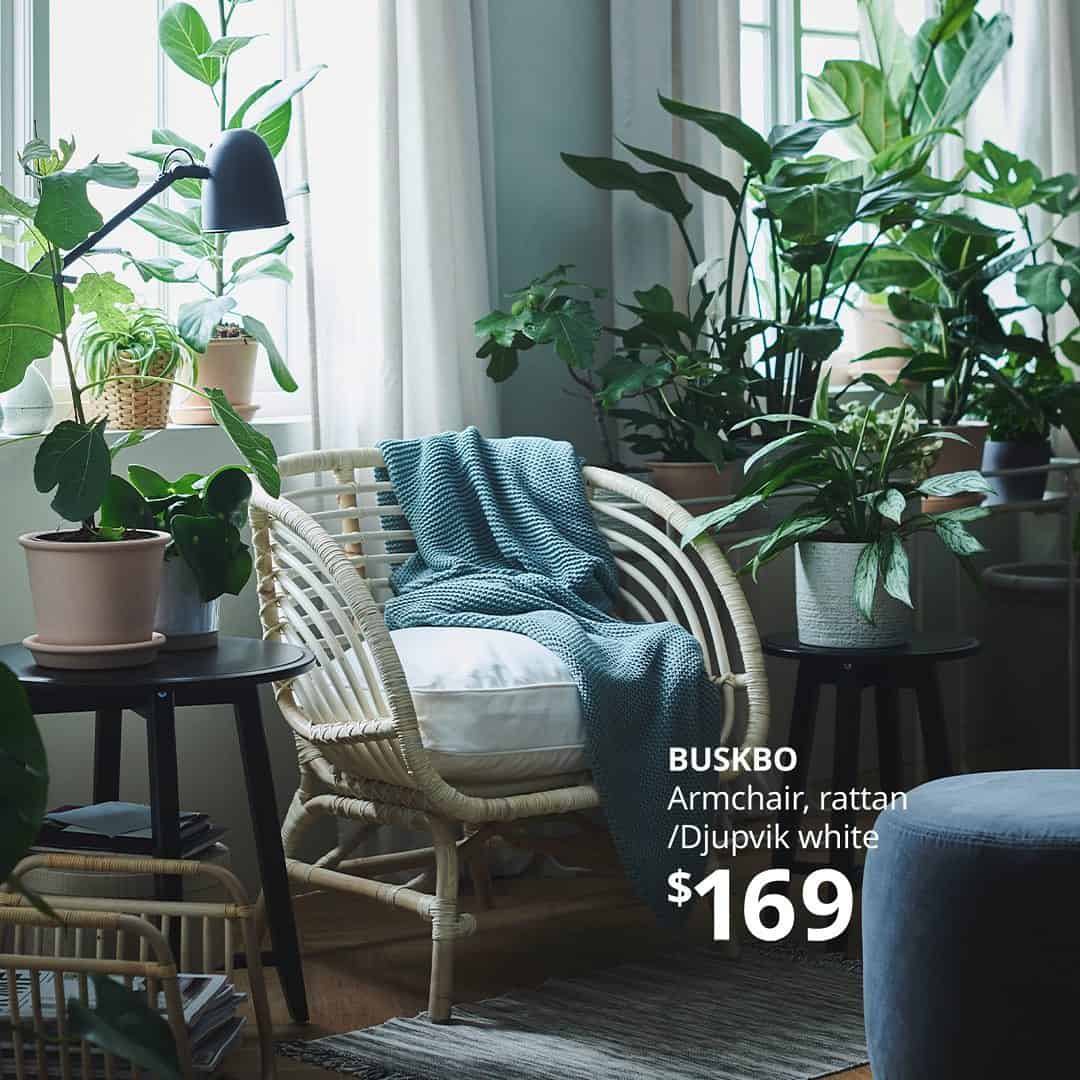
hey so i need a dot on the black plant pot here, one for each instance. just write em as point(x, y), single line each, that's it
point(1026, 487)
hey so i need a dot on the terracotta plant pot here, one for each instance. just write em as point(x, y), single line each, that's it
point(183, 616)
point(229, 365)
point(687, 480)
point(958, 457)
point(94, 602)
point(825, 602)
point(1002, 454)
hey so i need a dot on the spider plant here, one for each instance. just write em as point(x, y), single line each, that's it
point(132, 335)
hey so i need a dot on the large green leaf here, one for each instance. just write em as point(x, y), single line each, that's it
point(214, 552)
point(572, 327)
point(954, 13)
point(707, 181)
point(730, 130)
point(197, 319)
point(1042, 285)
point(74, 459)
point(795, 140)
point(887, 267)
point(24, 773)
point(956, 538)
point(185, 40)
point(659, 189)
point(814, 211)
point(867, 570)
point(965, 482)
point(237, 118)
point(12, 206)
point(124, 507)
point(282, 376)
point(959, 69)
point(854, 87)
point(99, 294)
point(180, 227)
point(896, 568)
point(255, 448)
point(885, 42)
point(275, 248)
point(226, 494)
point(122, 1023)
point(267, 100)
point(224, 47)
point(27, 298)
point(65, 215)
point(165, 268)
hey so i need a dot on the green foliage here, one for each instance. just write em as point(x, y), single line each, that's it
point(137, 335)
point(73, 460)
point(24, 774)
point(203, 514)
point(267, 110)
point(849, 487)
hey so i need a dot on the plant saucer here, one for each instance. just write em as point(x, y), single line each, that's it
point(94, 657)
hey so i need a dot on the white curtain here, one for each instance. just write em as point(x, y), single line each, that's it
point(687, 49)
point(398, 241)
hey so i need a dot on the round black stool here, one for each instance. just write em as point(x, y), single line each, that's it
point(911, 666)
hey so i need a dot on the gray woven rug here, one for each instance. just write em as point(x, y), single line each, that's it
point(692, 1015)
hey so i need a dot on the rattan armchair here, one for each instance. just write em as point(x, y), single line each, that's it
point(323, 559)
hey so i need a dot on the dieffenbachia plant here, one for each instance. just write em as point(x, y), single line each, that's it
point(853, 487)
point(36, 309)
point(200, 259)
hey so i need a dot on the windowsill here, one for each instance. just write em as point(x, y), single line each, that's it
point(277, 423)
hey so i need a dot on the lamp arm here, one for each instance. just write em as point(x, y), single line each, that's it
point(165, 180)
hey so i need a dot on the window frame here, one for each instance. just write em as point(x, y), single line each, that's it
point(25, 113)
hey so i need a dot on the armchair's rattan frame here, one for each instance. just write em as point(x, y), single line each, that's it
point(358, 742)
point(95, 935)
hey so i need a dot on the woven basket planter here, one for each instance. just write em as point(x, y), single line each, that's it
point(134, 403)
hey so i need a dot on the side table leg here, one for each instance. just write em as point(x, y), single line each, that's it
point(801, 740)
point(264, 820)
point(932, 722)
point(164, 799)
point(890, 759)
point(845, 762)
point(108, 729)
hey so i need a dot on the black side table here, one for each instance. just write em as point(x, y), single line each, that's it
point(228, 675)
point(912, 666)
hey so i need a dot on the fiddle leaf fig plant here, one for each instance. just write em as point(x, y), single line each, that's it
point(73, 461)
point(203, 514)
point(200, 259)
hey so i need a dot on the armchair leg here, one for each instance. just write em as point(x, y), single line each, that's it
point(445, 923)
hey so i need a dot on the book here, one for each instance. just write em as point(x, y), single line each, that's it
point(120, 828)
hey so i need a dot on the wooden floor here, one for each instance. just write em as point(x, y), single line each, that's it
point(365, 962)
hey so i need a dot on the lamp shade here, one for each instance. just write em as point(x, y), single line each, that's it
point(243, 191)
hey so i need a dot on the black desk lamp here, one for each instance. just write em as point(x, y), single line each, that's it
point(242, 190)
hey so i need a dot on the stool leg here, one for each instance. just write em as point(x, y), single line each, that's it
point(845, 763)
point(801, 739)
point(890, 760)
point(108, 733)
point(932, 721)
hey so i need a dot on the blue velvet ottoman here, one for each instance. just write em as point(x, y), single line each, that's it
point(971, 930)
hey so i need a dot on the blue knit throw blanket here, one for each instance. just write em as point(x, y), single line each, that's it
point(505, 540)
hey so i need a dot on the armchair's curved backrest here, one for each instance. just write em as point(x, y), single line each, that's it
point(324, 559)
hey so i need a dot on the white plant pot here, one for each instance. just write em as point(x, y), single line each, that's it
point(186, 620)
point(28, 408)
point(825, 602)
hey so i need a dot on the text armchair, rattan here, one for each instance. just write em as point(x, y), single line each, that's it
point(323, 560)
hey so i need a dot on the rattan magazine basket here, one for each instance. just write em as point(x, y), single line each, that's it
point(134, 403)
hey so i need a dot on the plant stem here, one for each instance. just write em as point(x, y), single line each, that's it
point(736, 226)
point(223, 118)
point(918, 88)
point(855, 273)
point(1035, 262)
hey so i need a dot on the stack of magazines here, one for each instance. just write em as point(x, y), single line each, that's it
point(210, 1003)
point(120, 828)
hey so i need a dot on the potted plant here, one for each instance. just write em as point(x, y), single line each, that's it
point(125, 338)
point(854, 489)
point(207, 556)
point(224, 339)
point(1041, 395)
point(94, 588)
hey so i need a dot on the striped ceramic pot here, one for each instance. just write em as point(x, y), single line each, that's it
point(825, 601)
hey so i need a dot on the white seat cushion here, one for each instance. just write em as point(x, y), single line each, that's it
point(492, 706)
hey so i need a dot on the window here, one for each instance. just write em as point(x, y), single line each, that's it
point(93, 69)
point(784, 39)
